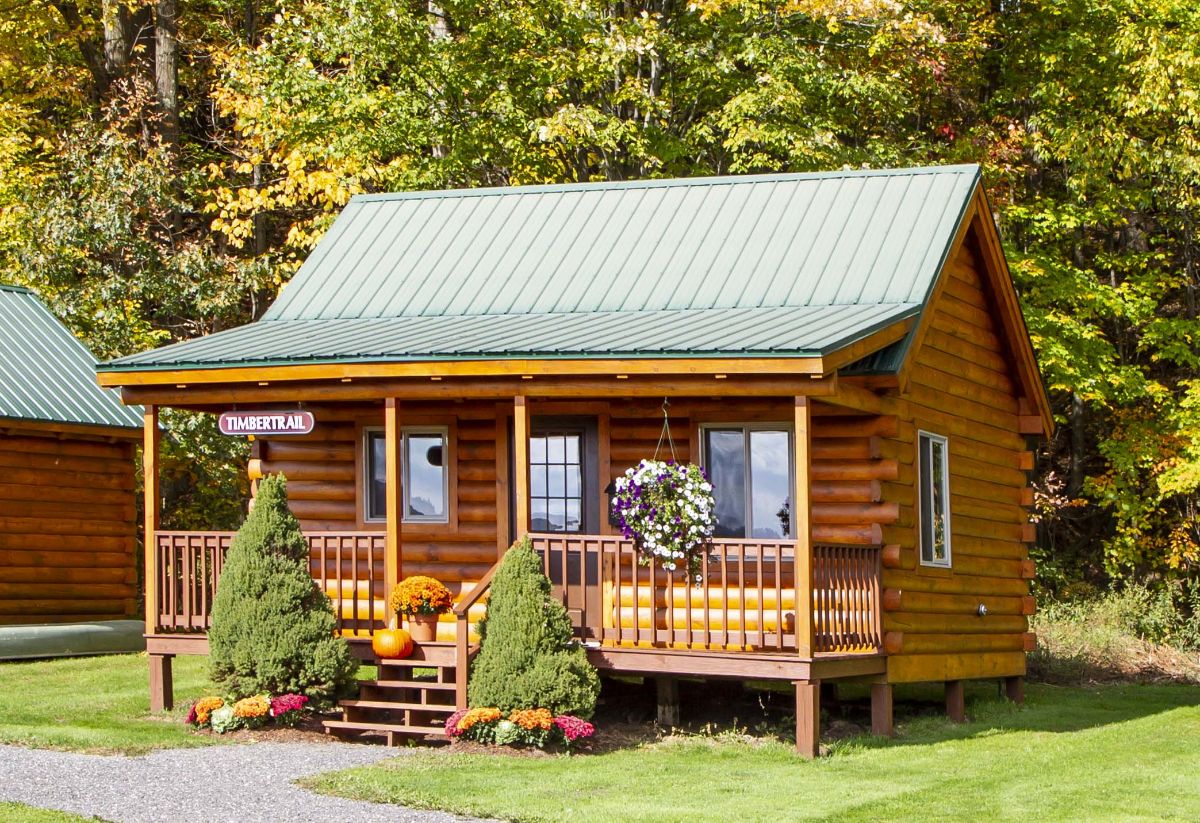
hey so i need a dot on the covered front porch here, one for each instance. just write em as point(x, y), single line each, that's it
point(799, 602)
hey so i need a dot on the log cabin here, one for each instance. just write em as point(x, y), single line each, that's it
point(843, 352)
point(68, 522)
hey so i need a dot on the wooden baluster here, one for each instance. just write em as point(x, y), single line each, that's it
point(761, 610)
point(820, 585)
point(741, 572)
point(670, 609)
point(204, 583)
point(843, 589)
point(618, 592)
point(689, 584)
point(566, 581)
point(704, 569)
point(724, 593)
point(876, 605)
point(779, 596)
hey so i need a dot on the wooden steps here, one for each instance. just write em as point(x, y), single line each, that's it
point(400, 704)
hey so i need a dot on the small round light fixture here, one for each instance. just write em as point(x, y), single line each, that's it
point(981, 611)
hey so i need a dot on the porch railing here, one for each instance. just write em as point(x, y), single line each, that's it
point(348, 566)
point(745, 597)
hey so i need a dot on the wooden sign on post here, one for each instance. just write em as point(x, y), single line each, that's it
point(237, 424)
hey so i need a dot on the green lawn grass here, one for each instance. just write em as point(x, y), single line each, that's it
point(1117, 752)
point(20, 813)
point(97, 704)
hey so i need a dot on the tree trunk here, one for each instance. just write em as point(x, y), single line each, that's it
point(1078, 447)
point(118, 39)
point(166, 68)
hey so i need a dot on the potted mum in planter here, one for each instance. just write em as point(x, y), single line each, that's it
point(421, 600)
point(667, 508)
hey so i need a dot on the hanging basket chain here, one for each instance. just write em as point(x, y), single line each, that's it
point(665, 434)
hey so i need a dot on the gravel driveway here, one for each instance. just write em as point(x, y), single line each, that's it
point(246, 782)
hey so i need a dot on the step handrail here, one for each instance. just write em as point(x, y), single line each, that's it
point(462, 633)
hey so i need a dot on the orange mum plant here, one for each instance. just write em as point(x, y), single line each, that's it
point(421, 595)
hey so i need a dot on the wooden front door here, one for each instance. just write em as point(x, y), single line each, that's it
point(564, 481)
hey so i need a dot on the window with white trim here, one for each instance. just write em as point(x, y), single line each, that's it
point(750, 467)
point(424, 475)
point(933, 481)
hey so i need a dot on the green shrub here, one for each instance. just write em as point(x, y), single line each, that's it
point(527, 657)
point(273, 629)
point(1136, 633)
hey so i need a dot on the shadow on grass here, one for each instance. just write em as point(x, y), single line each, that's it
point(716, 709)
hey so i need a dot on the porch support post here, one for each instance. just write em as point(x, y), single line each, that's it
point(956, 705)
point(668, 701)
point(881, 709)
point(150, 442)
point(802, 527)
point(395, 495)
point(161, 689)
point(521, 464)
point(1014, 689)
point(808, 718)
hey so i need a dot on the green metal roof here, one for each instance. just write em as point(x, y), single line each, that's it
point(788, 264)
point(46, 374)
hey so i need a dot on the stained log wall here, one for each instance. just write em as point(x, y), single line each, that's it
point(325, 470)
point(961, 385)
point(67, 530)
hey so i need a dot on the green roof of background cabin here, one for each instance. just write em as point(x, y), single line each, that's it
point(46, 374)
point(758, 265)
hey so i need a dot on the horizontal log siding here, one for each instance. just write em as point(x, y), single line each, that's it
point(961, 385)
point(325, 480)
point(67, 530)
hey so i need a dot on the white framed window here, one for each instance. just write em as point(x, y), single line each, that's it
point(424, 475)
point(933, 485)
point(750, 467)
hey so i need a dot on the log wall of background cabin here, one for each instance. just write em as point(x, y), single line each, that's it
point(962, 386)
point(67, 530)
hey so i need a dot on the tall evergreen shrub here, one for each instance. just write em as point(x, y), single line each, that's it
point(273, 629)
point(528, 657)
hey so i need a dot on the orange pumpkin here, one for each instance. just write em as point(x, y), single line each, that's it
point(391, 644)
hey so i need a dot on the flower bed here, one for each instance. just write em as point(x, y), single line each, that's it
point(668, 509)
point(537, 728)
point(254, 712)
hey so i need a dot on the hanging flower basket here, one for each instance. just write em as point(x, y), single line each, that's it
point(667, 508)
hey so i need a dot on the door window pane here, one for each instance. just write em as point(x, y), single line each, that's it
point(726, 462)
point(556, 481)
point(770, 483)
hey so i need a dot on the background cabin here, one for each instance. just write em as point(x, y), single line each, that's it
point(843, 352)
point(68, 521)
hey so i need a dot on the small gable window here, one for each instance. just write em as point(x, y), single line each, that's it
point(933, 480)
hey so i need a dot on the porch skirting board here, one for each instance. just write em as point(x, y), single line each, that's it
point(736, 665)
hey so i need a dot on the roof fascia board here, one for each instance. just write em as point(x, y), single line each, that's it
point(969, 209)
point(61, 430)
point(247, 395)
point(1012, 318)
point(812, 365)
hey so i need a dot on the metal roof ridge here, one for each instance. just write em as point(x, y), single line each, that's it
point(664, 182)
point(17, 289)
